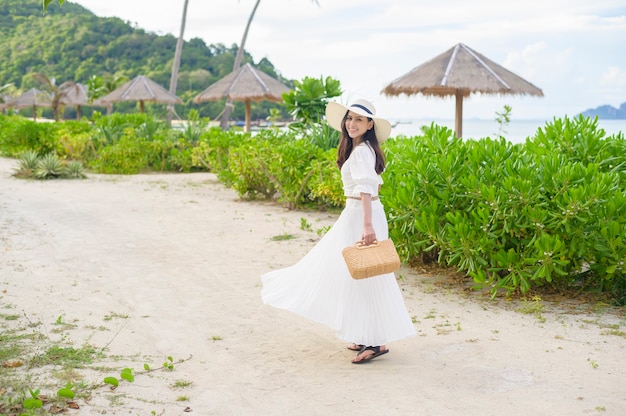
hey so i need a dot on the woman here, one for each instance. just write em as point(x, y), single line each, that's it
point(370, 312)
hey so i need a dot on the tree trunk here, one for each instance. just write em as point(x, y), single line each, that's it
point(176, 64)
point(229, 103)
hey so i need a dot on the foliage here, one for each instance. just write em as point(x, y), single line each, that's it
point(325, 184)
point(248, 162)
point(46, 3)
point(57, 92)
point(503, 119)
point(30, 165)
point(547, 213)
point(49, 167)
point(213, 152)
point(307, 105)
point(513, 217)
point(27, 164)
point(34, 366)
point(126, 156)
point(294, 171)
point(194, 127)
point(18, 135)
point(74, 169)
point(75, 140)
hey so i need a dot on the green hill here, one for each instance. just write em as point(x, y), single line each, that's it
point(69, 43)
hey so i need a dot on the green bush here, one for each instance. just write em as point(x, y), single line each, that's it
point(249, 164)
point(213, 152)
point(75, 140)
point(294, 171)
point(549, 212)
point(326, 189)
point(290, 169)
point(18, 135)
point(27, 164)
point(126, 156)
point(49, 166)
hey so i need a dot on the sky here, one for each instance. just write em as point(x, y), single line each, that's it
point(574, 50)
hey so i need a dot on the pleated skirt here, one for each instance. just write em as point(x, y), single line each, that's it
point(319, 287)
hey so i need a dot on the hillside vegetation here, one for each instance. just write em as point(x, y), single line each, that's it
point(70, 43)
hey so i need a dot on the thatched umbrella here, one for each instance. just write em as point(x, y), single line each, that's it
point(3, 103)
point(74, 94)
point(460, 72)
point(140, 89)
point(4, 100)
point(244, 84)
point(32, 98)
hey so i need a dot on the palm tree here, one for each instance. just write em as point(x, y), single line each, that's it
point(176, 64)
point(56, 92)
point(98, 86)
point(229, 104)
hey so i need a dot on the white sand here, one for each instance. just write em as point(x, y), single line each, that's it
point(160, 265)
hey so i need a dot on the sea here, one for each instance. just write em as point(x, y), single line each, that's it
point(516, 131)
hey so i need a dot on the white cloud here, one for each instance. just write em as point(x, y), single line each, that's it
point(613, 77)
point(565, 47)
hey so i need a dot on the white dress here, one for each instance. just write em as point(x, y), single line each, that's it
point(319, 287)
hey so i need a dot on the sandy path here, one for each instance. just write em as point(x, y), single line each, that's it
point(168, 265)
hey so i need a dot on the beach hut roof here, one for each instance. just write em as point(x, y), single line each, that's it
point(30, 98)
point(244, 84)
point(75, 94)
point(460, 69)
point(459, 72)
point(141, 89)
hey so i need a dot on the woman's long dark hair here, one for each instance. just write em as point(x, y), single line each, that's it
point(345, 146)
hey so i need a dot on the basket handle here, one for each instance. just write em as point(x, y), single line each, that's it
point(361, 244)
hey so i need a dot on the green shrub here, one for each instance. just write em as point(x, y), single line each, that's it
point(127, 156)
point(249, 165)
point(180, 157)
point(279, 165)
point(195, 127)
point(49, 167)
point(549, 212)
point(74, 169)
point(290, 169)
point(77, 145)
point(513, 217)
point(213, 152)
point(18, 135)
point(27, 164)
point(326, 189)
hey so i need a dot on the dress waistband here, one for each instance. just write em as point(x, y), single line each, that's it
point(358, 198)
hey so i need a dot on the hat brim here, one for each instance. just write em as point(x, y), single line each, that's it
point(335, 113)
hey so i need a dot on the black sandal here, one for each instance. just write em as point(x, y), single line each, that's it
point(376, 350)
point(355, 347)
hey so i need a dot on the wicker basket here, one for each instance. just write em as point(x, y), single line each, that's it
point(378, 258)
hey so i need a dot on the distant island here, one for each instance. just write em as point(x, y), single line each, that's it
point(607, 112)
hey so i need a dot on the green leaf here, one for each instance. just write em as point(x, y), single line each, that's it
point(31, 403)
point(67, 393)
point(127, 374)
point(46, 3)
point(112, 381)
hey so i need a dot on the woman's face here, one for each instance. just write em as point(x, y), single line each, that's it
point(357, 125)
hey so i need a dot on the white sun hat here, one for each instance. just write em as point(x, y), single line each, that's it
point(335, 112)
